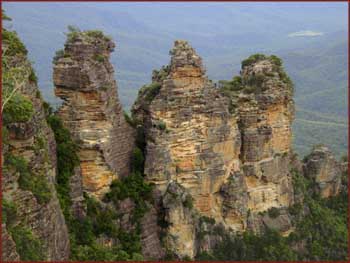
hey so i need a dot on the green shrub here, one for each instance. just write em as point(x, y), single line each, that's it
point(36, 183)
point(134, 187)
point(161, 125)
point(160, 75)
point(233, 85)
point(4, 16)
point(9, 212)
point(249, 89)
point(38, 94)
point(47, 109)
point(129, 120)
point(18, 109)
point(32, 76)
point(295, 209)
point(73, 33)
point(285, 78)
point(276, 60)
point(206, 219)
point(98, 34)
point(59, 54)
point(137, 162)
point(151, 91)
point(13, 43)
point(104, 88)
point(273, 212)
point(67, 158)
point(256, 80)
point(99, 58)
point(5, 135)
point(188, 202)
point(101, 253)
point(28, 246)
point(253, 59)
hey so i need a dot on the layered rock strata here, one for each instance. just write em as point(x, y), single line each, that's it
point(231, 154)
point(266, 111)
point(84, 80)
point(30, 157)
point(324, 170)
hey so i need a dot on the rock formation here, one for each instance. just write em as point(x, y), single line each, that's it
point(192, 139)
point(220, 158)
point(84, 79)
point(321, 167)
point(231, 155)
point(266, 110)
point(8, 249)
point(29, 168)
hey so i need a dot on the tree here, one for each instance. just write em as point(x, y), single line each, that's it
point(14, 77)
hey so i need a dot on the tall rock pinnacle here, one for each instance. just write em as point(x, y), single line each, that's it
point(84, 79)
point(228, 148)
point(193, 141)
point(266, 110)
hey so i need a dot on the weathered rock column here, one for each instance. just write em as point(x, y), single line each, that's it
point(266, 111)
point(192, 140)
point(84, 79)
point(321, 166)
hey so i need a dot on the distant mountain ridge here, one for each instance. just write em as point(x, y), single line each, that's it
point(223, 34)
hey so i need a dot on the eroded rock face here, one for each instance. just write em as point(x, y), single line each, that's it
point(321, 166)
point(266, 115)
point(151, 246)
point(34, 142)
point(191, 137)
point(84, 79)
point(78, 207)
point(8, 249)
point(181, 233)
point(230, 153)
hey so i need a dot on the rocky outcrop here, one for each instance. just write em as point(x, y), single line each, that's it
point(76, 194)
point(29, 172)
point(230, 149)
point(324, 170)
point(84, 79)
point(181, 233)
point(191, 138)
point(150, 232)
point(266, 110)
point(8, 249)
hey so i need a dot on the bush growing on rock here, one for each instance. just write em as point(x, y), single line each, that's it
point(28, 245)
point(253, 59)
point(13, 44)
point(36, 183)
point(59, 54)
point(9, 212)
point(273, 212)
point(18, 109)
point(99, 58)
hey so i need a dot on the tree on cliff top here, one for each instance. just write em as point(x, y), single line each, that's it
point(16, 69)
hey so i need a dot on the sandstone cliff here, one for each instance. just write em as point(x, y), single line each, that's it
point(220, 158)
point(30, 202)
point(229, 149)
point(266, 110)
point(324, 170)
point(192, 139)
point(84, 79)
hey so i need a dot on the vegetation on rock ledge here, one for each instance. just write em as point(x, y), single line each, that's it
point(320, 232)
